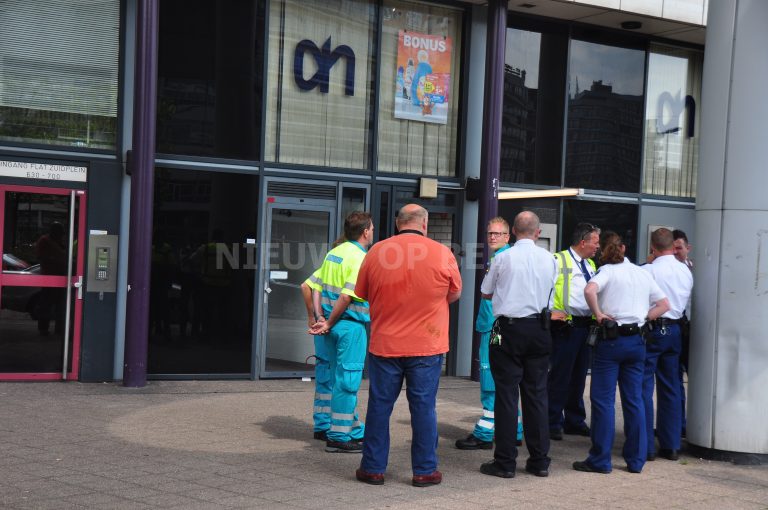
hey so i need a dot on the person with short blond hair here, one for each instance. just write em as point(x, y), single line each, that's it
point(481, 437)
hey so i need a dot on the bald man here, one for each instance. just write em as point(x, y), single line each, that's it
point(519, 285)
point(409, 280)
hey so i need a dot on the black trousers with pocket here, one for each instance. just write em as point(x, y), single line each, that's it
point(519, 367)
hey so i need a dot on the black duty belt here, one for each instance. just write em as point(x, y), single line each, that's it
point(663, 321)
point(512, 320)
point(582, 322)
point(629, 329)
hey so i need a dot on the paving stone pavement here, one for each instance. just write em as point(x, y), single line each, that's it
point(248, 444)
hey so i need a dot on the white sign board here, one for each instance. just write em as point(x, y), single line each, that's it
point(27, 170)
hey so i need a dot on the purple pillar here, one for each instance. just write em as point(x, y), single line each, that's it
point(491, 151)
point(140, 230)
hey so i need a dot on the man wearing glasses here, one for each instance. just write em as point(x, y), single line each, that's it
point(571, 319)
point(481, 437)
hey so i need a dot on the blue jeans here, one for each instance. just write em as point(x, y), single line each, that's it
point(385, 377)
point(619, 360)
point(662, 363)
point(567, 375)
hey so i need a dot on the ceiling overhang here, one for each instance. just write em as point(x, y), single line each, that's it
point(688, 29)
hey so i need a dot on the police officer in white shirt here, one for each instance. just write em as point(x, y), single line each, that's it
point(520, 283)
point(619, 296)
point(662, 358)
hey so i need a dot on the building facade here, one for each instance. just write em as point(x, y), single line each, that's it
point(276, 118)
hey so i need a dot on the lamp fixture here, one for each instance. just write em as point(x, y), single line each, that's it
point(541, 193)
point(631, 25)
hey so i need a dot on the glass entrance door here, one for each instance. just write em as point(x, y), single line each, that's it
point(299, 237)
point(42, 233)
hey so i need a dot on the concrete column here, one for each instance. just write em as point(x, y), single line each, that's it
point(728, 389)
point(475, 88)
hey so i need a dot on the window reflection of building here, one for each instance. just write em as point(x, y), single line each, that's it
point(518, 127)
point(604, 139)
point(534, 103)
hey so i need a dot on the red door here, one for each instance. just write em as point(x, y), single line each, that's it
point(42, 243)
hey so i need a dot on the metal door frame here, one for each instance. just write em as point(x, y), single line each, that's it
point(73, 280)
point(258, 364)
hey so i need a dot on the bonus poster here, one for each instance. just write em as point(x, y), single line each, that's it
point(423, 77)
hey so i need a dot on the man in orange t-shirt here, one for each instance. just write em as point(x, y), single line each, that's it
point(408, 280)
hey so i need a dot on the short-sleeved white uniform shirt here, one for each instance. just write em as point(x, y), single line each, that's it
point(626, 292)
point(521, 280)
point(675, 280)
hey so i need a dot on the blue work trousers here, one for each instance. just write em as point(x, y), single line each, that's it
point(620, 360)
point(484, 427)
point(686, 341)
point(662, 363)
point(385, 377)
point(323, 386)
point(567, 375)
point(347, 344)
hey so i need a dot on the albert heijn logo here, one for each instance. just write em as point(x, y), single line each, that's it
point(325, 59)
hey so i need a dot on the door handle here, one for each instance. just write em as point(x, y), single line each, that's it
point(267, 290)
point(79, 286)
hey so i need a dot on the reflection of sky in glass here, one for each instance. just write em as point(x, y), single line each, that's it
point(522, 52)
point(621, 68)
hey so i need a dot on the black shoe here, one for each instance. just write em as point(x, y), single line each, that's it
point(321, 435)
point(586, 468)
point(473, 443)
point(536, 471)
point(581, 431)
point(343, 447)
point(556, 434)
point(358, 440)
point(651, 457)
point(493, 468)
point(633, 470)
point(668, 454)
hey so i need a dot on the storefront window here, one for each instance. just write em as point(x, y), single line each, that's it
point(672, 121)
point(605, 117)
point(617, 217)
point(59, 72)
point(210, 78)
point(203, 272)
point(418, 99)
point(319, 82)
point(532, 119)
